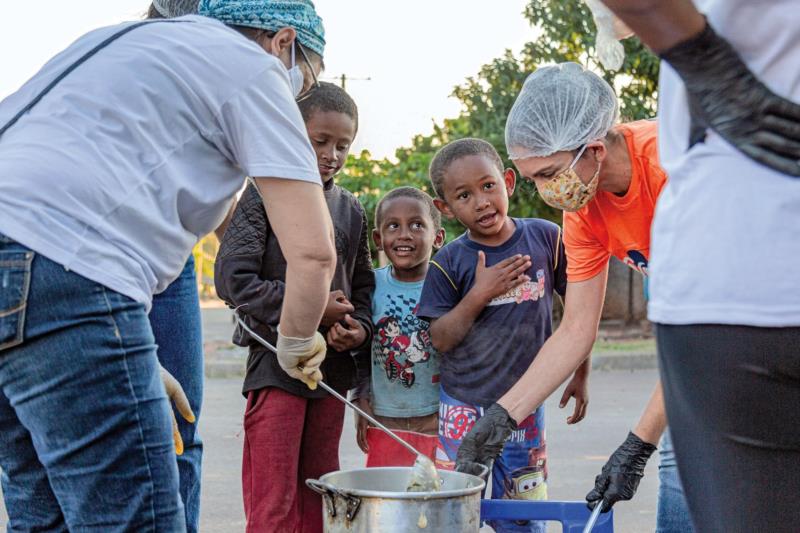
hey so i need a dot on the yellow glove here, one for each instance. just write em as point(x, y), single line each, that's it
point(176, 394)
point(301, 358)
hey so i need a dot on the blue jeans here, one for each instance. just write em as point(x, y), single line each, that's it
point(175, 319)
point(85, 430)
point(673, 512)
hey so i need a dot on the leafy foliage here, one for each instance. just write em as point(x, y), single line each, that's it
point(566, 33)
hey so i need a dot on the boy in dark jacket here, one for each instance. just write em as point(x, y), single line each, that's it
point(291, 432)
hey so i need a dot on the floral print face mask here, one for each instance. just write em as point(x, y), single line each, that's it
point(566, 191)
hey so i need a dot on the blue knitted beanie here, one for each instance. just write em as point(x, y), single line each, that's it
point(272, 16)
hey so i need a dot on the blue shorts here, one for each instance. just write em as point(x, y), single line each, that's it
point(520, 473)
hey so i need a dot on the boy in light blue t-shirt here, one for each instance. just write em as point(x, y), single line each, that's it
point(403, 390)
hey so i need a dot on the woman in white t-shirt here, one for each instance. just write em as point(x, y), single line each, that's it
point(116, 157)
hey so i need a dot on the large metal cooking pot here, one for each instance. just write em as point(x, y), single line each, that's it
point(375, 500)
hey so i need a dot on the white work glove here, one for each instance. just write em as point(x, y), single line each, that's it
point(301, 358)
point(610, 30)
point(176, 394)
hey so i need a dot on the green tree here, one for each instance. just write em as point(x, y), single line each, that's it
point(566, 33)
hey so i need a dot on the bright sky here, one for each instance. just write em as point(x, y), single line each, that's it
point(415, 51)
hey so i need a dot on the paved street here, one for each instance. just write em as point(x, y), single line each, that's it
point(575, 453)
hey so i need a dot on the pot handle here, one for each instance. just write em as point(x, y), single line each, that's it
point(327, 491)
point(321, 487)
point(486, 469)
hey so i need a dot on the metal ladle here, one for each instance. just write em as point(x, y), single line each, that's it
point(593, 518)
point(424, 477)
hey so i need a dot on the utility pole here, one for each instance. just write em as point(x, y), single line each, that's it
point(344, 78)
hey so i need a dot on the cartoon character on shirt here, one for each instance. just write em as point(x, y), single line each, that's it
point(540, 282)
point(417, 352)
point(637, 261)
point(526, 483)
point(393, 344)
point(529, 482)
point(524, 293)
point(529, 291)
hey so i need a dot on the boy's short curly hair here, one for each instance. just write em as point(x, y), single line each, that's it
point(328, 97)
point(454, 151)
point(409, 192)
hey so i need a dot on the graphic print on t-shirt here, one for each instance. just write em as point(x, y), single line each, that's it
point(637, 261)
point(530, 291)
point(403, 340)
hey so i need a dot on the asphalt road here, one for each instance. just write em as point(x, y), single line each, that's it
point(575, 453)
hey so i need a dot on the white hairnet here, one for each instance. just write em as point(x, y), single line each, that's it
point(559, 108)
point(176, 8)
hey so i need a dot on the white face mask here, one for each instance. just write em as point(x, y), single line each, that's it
point(296, 77)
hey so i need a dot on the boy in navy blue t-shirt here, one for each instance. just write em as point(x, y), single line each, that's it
point(488, 296)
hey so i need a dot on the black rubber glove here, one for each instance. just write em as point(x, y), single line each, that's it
point(485, 440)
point(725, 96)
point(620, 476)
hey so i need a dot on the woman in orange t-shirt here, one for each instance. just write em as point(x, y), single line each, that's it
point(562, 135)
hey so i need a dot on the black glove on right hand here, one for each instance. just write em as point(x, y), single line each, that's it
point(620, 476)
point(725, 96)
point(485, 440)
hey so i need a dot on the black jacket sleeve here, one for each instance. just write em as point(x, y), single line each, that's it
point(237, 270)
point(363, 287)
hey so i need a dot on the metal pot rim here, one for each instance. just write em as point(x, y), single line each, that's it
point(398, 495)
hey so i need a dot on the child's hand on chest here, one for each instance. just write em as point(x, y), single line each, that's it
point(498, 279)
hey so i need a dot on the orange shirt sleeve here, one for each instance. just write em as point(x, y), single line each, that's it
point(586, 255)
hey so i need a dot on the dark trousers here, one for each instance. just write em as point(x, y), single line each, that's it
point(733, 402)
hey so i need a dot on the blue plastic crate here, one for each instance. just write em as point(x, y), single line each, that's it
point(572, 515)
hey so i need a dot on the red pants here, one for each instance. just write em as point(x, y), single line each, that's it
point(287, 440)
point(385, 451)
